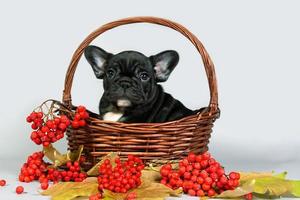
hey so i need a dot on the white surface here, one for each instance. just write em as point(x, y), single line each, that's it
point(255, 46)
point(9, 171)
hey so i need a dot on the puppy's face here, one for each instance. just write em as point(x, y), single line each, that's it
point(129, 77)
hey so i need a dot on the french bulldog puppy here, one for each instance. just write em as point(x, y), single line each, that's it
point(131, 89)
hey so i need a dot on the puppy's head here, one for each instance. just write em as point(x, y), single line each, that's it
point(130, 78)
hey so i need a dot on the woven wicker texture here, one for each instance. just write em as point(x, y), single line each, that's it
point(153, 142)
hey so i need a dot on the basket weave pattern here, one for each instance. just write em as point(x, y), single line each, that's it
point(152, 142)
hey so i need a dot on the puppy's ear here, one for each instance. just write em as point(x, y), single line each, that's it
point(97, 58)
point(164, 63)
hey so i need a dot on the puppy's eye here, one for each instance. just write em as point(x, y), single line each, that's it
point(144, 76)
point(110, 73)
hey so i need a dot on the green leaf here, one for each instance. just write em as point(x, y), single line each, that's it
point(295, 188)
point(272, 186)
point(280, 175)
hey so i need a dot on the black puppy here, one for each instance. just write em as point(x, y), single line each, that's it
point(131, 92)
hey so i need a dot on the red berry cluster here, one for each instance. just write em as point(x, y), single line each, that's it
point(96, 197)
point(36, 169)
point(36, 118)
point(73, 173)
point(199, 175)
point(46, 132)
point(80, 117)
point(33, 168)
point(121, 178)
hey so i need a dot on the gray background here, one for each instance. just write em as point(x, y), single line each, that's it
point(255, 46)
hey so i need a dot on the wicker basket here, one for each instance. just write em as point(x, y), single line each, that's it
point(152, 142)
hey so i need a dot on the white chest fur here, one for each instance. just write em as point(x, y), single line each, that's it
point(112, 116)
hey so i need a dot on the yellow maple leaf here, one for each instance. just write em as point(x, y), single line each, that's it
point(266, 184)
point(59, 159)
point(71, 190)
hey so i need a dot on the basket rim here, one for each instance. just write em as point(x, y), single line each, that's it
point(94, 118)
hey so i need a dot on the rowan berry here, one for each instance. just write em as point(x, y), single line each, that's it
point(181, 170)
point(75, 124)
point(211, 192)
point(44, 185)
point(191, 157)
point(19, 189)
point(205, 187)
point(248, 196)
point(2, 182)
point(191, 192)
point(234, 175)
point(187, 175)
point(200, 193)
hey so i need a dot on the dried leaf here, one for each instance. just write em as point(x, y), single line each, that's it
point(239, 191)
point(115, 196)
point(71, 190)
point(245, 176)
point(59, 159)
point(295, 188)
point(155, 191)
point(150, 189)
point(264, 185)
point(272, 186)
point(75, 155)
point(54, 155)
point(94, 170)
point(281, 175)
point(151, 175)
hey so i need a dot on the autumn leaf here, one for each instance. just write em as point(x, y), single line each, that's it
point(151, 175)
point(75, 155)
point(147, 191)
point(240, 191)
point(272, 186)
point(150, 189)
point(114, 196)
point(245, 176)
point(265, 185)
point(296, 188)
point(155, 191)
point(71, 190)
point(54, 155)
point(280, 175)
point(59, 159)
point(94, 170)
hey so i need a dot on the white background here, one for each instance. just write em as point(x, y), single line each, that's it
point(255, 46)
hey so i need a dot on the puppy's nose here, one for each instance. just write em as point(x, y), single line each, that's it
point(125, 84)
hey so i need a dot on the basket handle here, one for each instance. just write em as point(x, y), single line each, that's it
point(208, 64)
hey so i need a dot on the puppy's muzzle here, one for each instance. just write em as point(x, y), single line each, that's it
point(125, 83)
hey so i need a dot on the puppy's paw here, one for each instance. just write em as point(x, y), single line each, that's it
point(112, 116)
